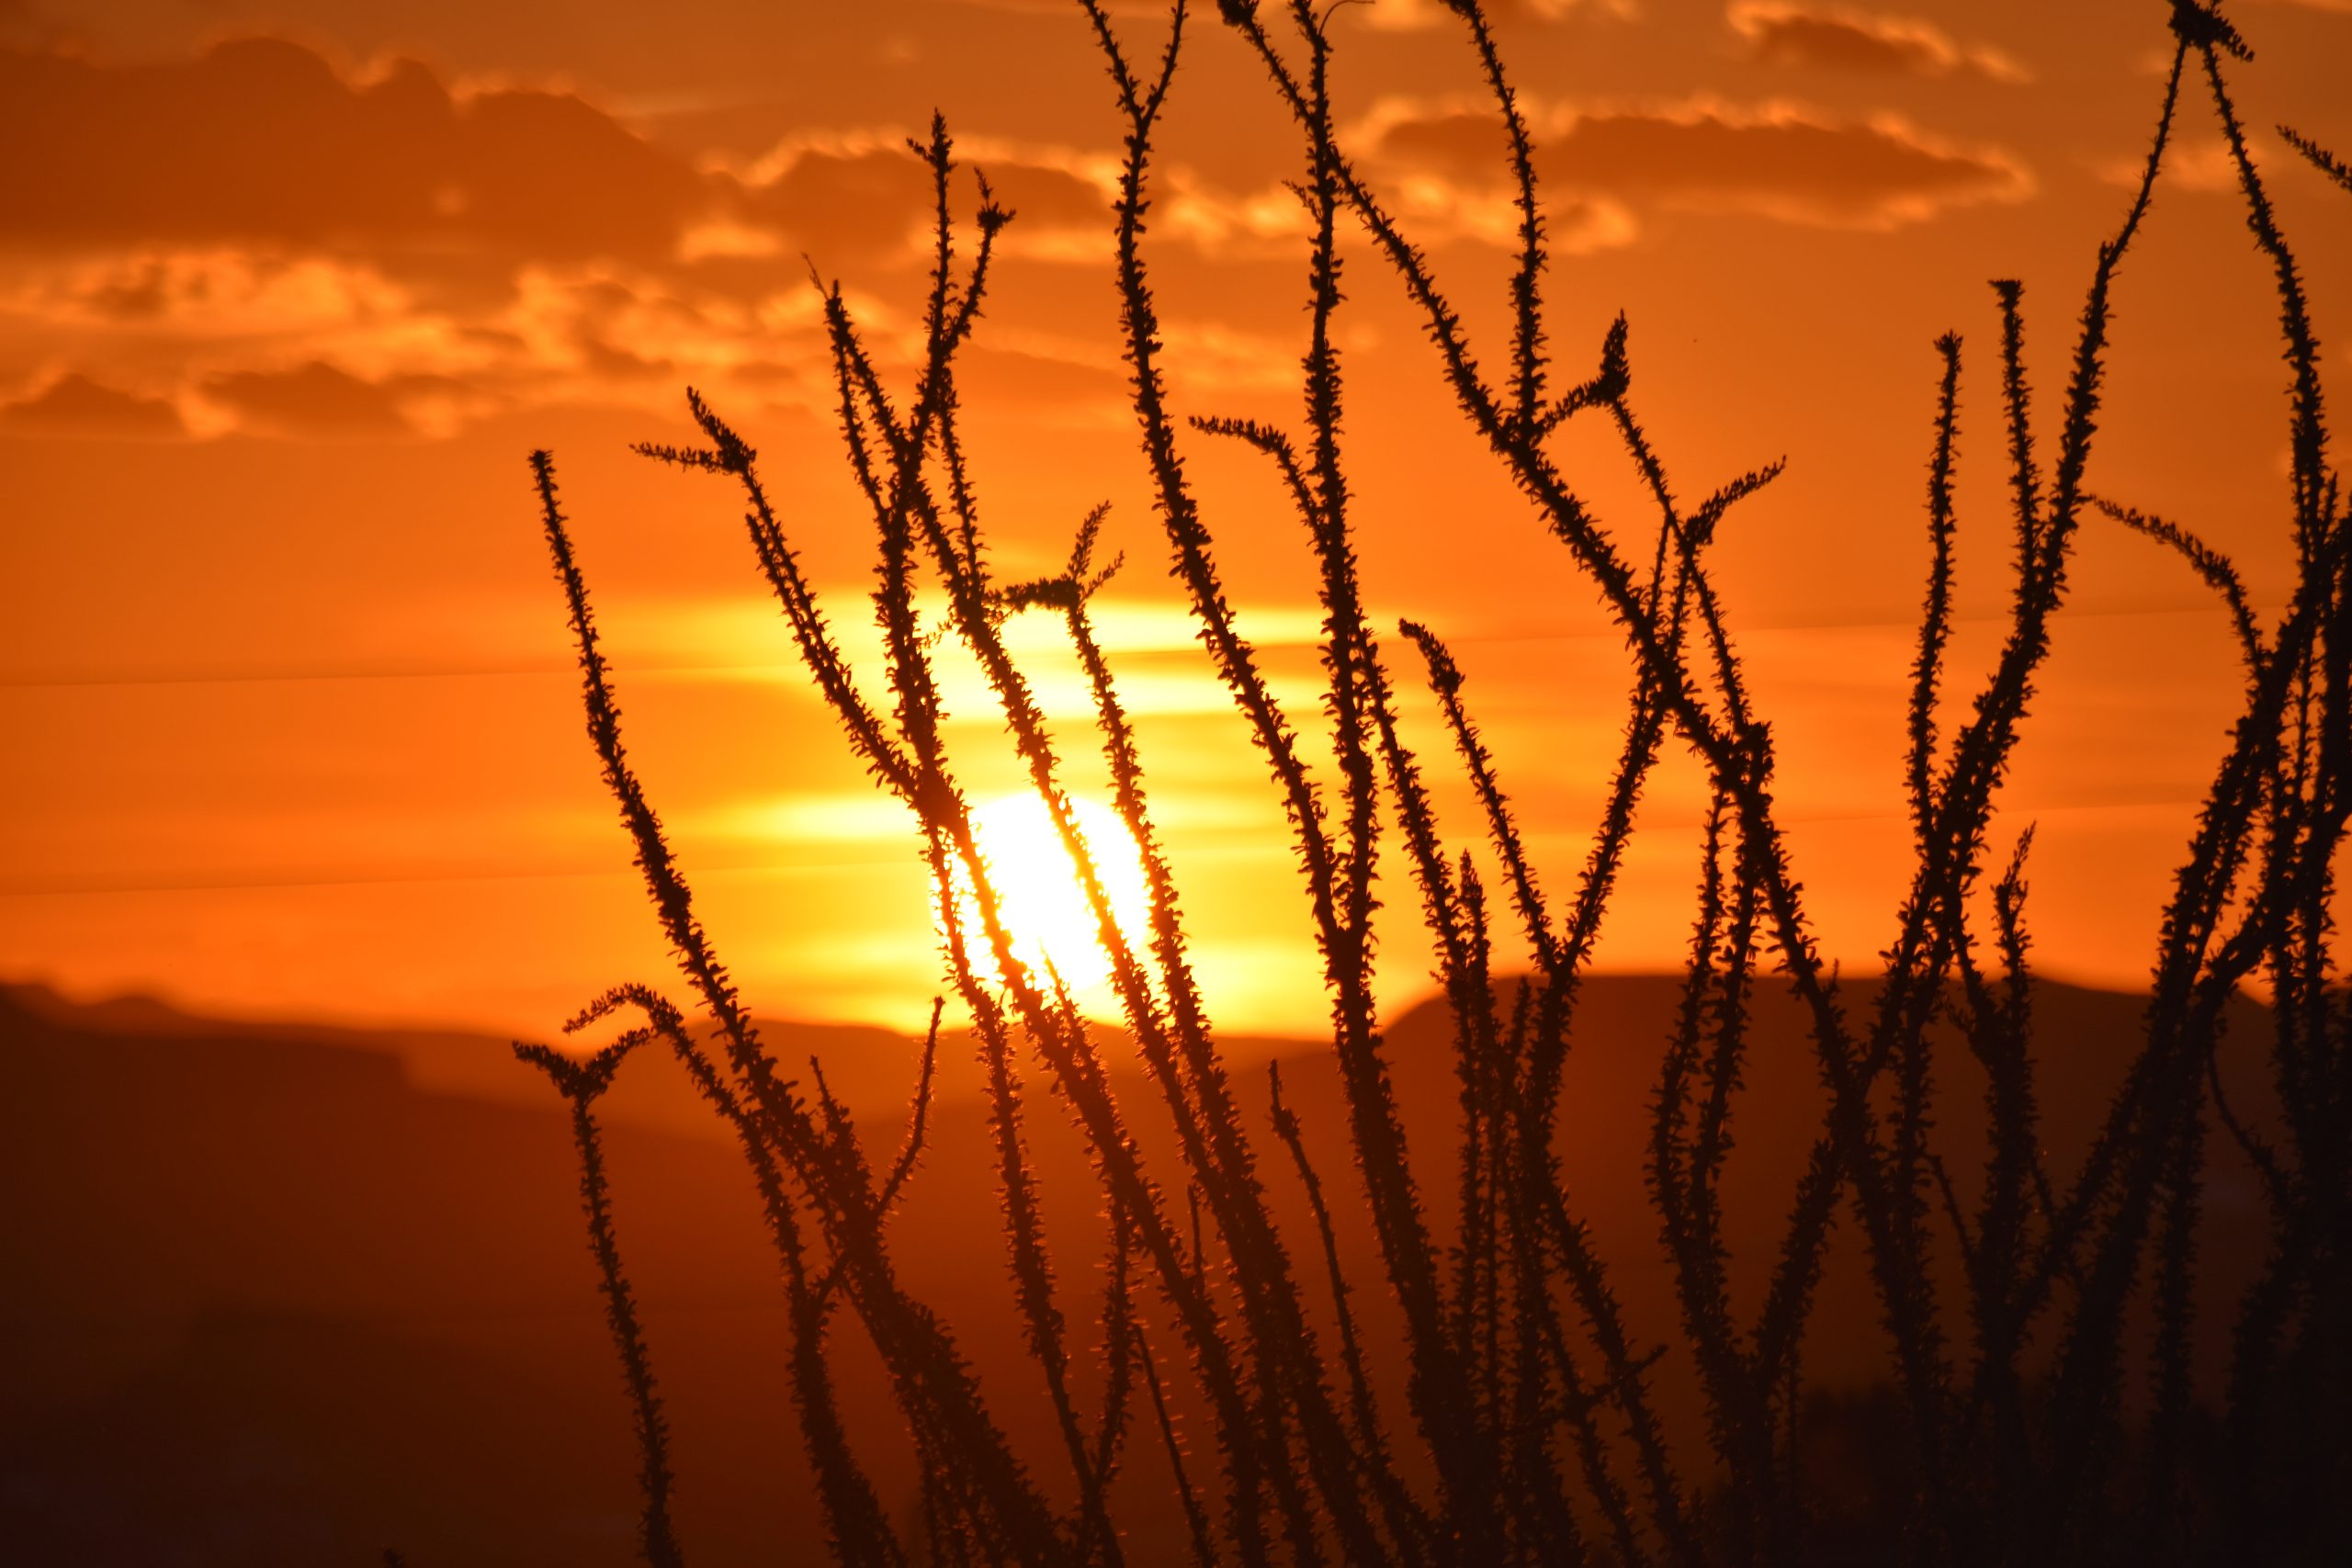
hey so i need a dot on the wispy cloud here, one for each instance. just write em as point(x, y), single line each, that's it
point(1774, 160)
point(1838, 37)
point(282, 246)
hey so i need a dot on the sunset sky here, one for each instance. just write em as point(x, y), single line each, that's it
point(289, 288)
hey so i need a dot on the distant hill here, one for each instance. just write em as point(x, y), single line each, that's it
point(282, 1295)
point(865, 1064)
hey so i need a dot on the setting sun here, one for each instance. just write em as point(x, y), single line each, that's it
point(1044, 906)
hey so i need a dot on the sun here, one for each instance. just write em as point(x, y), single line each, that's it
point(1039, 896)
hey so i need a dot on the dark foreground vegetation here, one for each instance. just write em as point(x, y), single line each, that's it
point(1476, 1389)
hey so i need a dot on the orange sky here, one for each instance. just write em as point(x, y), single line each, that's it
point(288, 290)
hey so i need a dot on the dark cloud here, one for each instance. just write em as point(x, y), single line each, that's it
point(260, 141)
point(420, 252)
point(1778, 164)
point(613, 364)
point(1791, 165)
point(865, 204)
point(1842, 39)
point(140, 296)
point(1042, 196)
point(876, 203)
point(1464, 144)
point(76, 405)
point(318, 399)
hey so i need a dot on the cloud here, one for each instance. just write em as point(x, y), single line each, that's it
point(283, 245)
point(260, 140)
point(318, 399)
point(860, 197)
point(868, 204)
point(389, 236)
point(1774, 161)
point(76, 405)
point(1055, 191)
point(1839, 39)
point(1418, 16)
point(1383, 16)
point(2200, 165)
point(217, 291)
point(1440, 209)
point(1781, 163)
point(263, 144)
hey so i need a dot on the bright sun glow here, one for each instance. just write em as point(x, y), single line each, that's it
point(1044, 908)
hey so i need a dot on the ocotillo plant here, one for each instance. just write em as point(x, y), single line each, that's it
point(2035, 1425)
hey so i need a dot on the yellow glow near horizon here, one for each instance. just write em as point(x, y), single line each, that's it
point(1042, 905)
